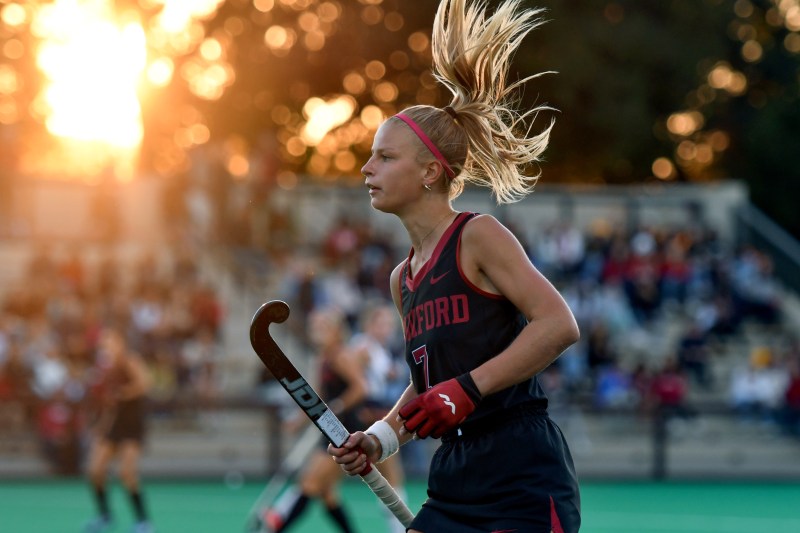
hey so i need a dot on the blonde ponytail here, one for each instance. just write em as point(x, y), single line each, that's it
point(483, 135)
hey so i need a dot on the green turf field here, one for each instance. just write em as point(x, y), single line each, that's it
point(214, 507)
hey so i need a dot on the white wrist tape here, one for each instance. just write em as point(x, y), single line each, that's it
point(386, 436)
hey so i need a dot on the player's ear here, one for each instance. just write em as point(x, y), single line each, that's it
point(431, 172)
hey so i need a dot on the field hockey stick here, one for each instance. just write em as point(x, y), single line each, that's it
point(304, 395)
point(301, 449)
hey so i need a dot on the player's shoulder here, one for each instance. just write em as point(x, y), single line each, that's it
point(394, 283)
point(394, 277)
point(398, 269)
point(483, 228)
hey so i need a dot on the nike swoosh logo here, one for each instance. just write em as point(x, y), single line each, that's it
point(435, 279)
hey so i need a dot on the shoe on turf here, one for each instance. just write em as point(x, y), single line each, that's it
point(143, 527)
point(98, 524)
point(271, 521)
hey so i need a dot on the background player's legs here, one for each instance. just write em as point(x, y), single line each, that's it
point(317, 481)
point(101, 454)
point(335, 510)
point(130, 452)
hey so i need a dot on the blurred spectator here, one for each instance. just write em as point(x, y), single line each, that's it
point(16, 384)
point(693, 355)
point(600, 351)
point(669, 391)
point(582, 300)
point(675, 272)
point(376, 262)
point(642, 277)
point(340, 288)
point(614, 387)
point(757, 388)
point(303, 292)
point(198, 365)
point(147, 319)
point(164, 375)
point(72, 271)
point(179, 321)
point(716, 315)
point(50, 373)
point(341, 241)
point(207, 309)
point(755, 288)
point(616, 261)
point(641, 382)
point(560, 250)
point(61, 425)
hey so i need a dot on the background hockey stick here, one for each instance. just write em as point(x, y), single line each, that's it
point(304, 395)
point(299, 453)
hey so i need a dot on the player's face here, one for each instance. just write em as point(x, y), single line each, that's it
point(323, 329)
point(383, 324)
point(393, 174)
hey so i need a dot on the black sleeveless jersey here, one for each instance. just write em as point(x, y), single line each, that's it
point(451, 326)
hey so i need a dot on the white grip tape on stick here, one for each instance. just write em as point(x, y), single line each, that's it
point(388, 496)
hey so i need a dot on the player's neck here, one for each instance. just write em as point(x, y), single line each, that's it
point(426, 236)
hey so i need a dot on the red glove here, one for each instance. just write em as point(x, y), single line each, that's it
point(442, 408)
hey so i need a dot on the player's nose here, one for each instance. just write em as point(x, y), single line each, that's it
point(366, 170)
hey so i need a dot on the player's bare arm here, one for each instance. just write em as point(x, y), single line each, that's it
point(348, 365)
point(493, 259)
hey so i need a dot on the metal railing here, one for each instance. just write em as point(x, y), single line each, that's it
point(244, 439)
point(756, 228)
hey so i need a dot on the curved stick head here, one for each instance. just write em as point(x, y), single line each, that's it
point(273, 311)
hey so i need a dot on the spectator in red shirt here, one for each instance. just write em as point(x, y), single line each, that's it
point(669, 389)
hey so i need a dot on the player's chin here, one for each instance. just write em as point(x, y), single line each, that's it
point(375, 199)
point(380, 203)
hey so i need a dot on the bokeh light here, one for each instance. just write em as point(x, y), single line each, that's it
point(240, 66)
point(663, 168)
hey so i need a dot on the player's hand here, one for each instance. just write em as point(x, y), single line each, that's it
point(438, 410)
point(355, 452)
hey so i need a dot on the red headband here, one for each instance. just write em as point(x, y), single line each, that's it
point(429, 143)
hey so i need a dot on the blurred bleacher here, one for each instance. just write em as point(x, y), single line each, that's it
point(235, 429)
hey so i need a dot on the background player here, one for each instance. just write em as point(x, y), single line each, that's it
point(120, 431)
point(343, 387)
point(372, 347)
